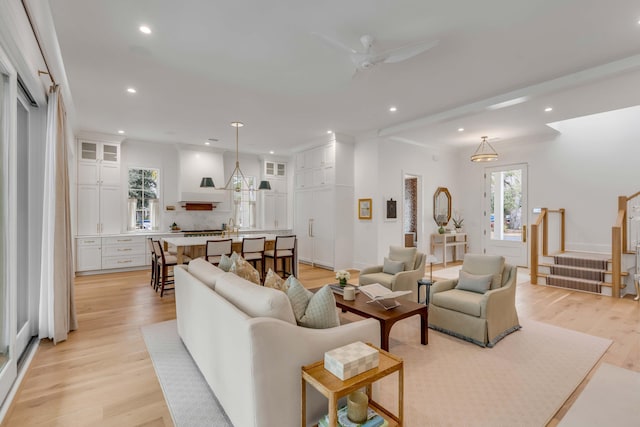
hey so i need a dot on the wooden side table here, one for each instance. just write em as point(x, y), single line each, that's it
point(447, 240)
point(333, 388)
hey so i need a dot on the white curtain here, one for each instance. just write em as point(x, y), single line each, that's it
point(57, 309)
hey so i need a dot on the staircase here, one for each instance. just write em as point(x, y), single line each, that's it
point(588, 272)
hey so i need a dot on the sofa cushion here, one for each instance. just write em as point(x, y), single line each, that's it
point(255, 301)
point(226, 262)
point(272, 280)
point(311, 310)
point(382, 278)
point(204, 271)
point(406, 255)
point(245, 270)
point(392, 267)
point(485, 264)
point(457, 300)
point(479, 283)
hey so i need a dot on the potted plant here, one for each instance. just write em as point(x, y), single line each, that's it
point(343, 276)
point(457, 222)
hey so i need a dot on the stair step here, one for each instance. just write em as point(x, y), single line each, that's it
point(546, 264)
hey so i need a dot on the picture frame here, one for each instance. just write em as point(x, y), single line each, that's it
point(392, 209)
point(365, 208)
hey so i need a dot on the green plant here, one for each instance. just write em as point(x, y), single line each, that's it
point(457, 222)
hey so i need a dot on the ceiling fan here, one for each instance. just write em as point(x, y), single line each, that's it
point(368, 57)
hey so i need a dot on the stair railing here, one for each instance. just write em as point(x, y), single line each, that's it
point(536, 231)
point(619, 244)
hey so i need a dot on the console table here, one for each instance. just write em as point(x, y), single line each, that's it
point(447, 240)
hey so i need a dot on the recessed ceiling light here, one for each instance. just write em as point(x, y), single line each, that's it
point(271, 152)
point(144, 29)
point(460, 129)
point(207, 143)
point(121, 132)
point(131, 90)
point(329, 131)
point(548, 109)
point(393, 109)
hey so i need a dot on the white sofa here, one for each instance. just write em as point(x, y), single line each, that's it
point(245, 340)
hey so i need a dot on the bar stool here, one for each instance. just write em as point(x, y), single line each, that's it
point(217, 248)
point(285, 248)
point(162, 273)
point(154, 262)
point(253, 251)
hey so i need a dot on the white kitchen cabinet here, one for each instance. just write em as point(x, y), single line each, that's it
point(89, 254)
point(324, 205)
point(275, 211)
point(275, 169)
point(99, 194)
point(123, 252)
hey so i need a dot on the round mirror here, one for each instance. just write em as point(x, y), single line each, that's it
point(442, 206)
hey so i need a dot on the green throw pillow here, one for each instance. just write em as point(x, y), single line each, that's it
point(311, 310)
point(474, 282)
point(226, 262)
point(392, 267)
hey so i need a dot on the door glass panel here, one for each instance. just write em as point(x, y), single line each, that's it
point(4, 241)
point(506, 205)
point(89, 151)
point(110, 153)
point(23, 226)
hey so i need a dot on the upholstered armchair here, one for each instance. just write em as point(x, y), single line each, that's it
point(400, 272)
point(479, 306)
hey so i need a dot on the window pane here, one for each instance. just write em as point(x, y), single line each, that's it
point(144, 186)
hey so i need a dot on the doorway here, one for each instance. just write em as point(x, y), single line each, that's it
point(410, 211)
point(505, 213)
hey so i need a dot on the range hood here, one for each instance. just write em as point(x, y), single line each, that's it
point(212, 196)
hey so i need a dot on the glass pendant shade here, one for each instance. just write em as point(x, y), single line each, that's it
point(485, 152)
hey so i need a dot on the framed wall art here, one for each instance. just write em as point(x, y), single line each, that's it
point(392, 209)
point(364, 208)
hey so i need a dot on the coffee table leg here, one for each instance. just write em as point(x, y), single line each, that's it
point(424, 327)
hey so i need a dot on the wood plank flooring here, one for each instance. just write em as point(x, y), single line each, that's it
point(103, 376)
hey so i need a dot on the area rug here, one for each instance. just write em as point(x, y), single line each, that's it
point(522, 381)
point(454, 272)
point(190, 400)
point(611, 398)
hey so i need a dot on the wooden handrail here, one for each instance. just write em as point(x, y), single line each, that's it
point(617, 241)
point(543, 220)
point(633, 196)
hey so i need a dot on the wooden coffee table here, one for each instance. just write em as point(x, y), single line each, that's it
point(387, 318)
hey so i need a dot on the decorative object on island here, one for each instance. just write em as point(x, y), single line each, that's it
point(343, 276)
point(485, 152)
point(364, 209)
point(431, 259)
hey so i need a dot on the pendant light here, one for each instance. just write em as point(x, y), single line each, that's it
point(485, 152)
point(207, 182)
point(240, 180)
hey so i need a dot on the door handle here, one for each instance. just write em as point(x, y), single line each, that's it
point(524, 234)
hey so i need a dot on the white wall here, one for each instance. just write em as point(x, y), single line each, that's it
point(379, 168)
point(583, 169)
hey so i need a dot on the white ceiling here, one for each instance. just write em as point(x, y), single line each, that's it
point(210, 62)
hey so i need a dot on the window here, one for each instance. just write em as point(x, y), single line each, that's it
point(244, 201)
point(144, 207)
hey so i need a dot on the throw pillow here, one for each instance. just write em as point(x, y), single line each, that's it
point(311, 310)
point(225, 263)
point(392, 267)
point(406, 255)
point(272, 280)
point(245, 270)
point(474, 282)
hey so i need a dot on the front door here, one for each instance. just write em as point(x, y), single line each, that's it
point(505, 213)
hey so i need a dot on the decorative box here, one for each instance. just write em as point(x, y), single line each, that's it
point(350, 360)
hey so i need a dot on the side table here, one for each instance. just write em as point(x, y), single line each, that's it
point(427, 284)
point(333, 388)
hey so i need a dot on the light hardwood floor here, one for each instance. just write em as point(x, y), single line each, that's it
point(103, 376)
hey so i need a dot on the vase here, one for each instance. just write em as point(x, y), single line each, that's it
point(343, 282)
point(441, 230)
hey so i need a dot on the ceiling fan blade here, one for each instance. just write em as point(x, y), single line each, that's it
point(336, 43)
point(405, 52)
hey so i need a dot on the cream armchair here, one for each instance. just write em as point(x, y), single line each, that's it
point(405, 280)
point(480, 306)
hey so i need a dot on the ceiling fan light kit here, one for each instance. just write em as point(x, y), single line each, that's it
point(485, 152)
